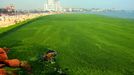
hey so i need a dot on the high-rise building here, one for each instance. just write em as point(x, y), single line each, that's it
point(52, 5)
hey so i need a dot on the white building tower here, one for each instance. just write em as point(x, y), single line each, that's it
point(52, 5)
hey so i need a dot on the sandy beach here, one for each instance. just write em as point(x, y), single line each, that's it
point(7, 20)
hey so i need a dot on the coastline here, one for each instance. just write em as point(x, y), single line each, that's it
point(7, 21)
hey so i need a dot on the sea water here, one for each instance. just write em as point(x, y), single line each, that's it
point(119, 14)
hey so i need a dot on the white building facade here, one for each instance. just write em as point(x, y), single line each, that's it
point(52, 5)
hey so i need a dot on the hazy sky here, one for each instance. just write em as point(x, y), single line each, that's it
point(35, 4)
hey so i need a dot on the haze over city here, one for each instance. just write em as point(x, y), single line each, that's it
point(38, 4)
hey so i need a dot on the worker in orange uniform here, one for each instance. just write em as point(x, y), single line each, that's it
point(3, 55)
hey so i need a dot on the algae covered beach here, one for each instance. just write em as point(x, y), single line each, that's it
point(86, 44)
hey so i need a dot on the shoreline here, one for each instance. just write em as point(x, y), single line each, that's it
point(6, 21)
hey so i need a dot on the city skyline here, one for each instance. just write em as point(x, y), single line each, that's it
point(52, 5)
point(39, 4)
